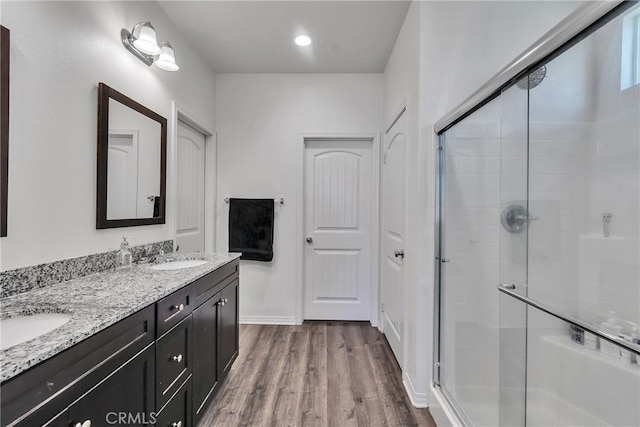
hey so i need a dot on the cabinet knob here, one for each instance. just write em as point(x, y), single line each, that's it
point(86, 423)
point(177, 358)
point(221, 303)
point(177, 424)
point(309, 239)
point(178, 307)
point(399, 253)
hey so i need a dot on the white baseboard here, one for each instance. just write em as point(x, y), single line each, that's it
point(419, 400)
point(267, 320)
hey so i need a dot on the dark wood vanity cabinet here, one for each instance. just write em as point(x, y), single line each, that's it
point(160, 366)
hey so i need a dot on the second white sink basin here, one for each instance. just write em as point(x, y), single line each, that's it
point(178, 265)
point(19, 329)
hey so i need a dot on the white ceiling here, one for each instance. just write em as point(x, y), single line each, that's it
point(257, 36)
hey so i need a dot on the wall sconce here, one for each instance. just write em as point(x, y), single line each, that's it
point(142, 42)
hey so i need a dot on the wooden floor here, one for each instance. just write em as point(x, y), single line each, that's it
point(318, 374)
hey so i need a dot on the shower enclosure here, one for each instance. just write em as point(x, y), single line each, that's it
point(538, 303)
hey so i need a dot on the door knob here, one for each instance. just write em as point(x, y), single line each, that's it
point(399, 253)
point(309, 239)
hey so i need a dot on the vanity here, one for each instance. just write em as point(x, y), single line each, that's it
point(149, 345)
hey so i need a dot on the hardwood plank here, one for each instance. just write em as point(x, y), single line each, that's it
point(290, 384)
point(364, 389)
point(313, 406)
point(259, 401)
point(339, 397)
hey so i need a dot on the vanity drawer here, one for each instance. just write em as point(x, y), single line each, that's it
point(172, 309)
point(209, 285)
point(177, 412)
point(173, 360)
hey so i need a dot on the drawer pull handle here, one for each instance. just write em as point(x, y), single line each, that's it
point(177, 358)
point(87, 423)
point(177, 424)
point(177, 307)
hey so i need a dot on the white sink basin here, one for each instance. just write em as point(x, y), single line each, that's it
point(178, 265)
point(19, 329)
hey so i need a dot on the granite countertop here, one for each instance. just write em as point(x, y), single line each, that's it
point(94, 303)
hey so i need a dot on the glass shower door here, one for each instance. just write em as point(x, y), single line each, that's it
point(470, 202)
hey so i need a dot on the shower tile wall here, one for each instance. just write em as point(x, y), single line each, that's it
point(584, 161)
point(561, 130)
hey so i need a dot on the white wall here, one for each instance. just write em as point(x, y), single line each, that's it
point(260, 122)
point(59, 53)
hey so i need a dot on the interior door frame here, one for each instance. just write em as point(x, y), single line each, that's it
point(374, 138)
point(182, 114)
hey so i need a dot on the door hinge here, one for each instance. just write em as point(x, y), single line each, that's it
point(382, 307)
point(384, 158)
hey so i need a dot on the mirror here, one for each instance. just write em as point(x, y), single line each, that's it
point(132, 158)
point(4, 128)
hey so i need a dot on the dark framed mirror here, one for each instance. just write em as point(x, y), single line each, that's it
point(4, 128)
point(132, 162)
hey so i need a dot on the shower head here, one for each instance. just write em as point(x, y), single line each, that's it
point(534, 79)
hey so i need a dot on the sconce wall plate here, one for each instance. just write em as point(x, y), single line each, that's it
point(127, 41)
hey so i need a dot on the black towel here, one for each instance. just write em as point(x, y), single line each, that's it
point(251, 228)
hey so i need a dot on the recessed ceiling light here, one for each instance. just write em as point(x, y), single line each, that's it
point(303, 40)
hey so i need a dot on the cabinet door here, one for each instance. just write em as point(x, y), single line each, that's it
point(126, 397)
point(205, 373)
point(228, 329)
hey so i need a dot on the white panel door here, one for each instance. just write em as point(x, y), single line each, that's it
point(394, 210)
point(122, 179)
point(338, 202)
point(190, 192)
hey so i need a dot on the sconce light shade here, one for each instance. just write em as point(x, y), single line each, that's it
point(142, 42)
point(146, 42)
point(167, 59)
